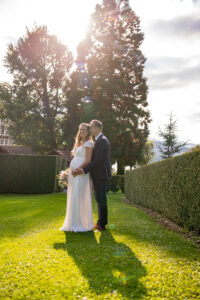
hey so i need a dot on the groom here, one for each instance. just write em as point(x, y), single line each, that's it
point(100, 168)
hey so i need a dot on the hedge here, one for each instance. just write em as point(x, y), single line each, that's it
point(30, 174)
point(170, 187)
point(116, 183)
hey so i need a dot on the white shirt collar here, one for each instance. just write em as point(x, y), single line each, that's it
point(98, 136)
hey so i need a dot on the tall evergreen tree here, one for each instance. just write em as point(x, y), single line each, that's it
point(74, 105)
point(115, 63)
point(34, 102)
point(170, 145)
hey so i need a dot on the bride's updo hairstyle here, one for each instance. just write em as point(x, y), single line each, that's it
point(78, 138)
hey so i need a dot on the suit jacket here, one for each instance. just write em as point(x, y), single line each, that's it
point(100, 166)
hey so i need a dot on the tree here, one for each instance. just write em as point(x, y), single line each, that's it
point(147, 154)
point(170, 145)
point(195, 148)
point(34, 103)
point(113, 59)
point(79, 107)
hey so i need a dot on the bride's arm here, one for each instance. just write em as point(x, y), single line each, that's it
point(88, 157)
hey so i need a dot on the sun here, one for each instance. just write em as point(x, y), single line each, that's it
point(68, 20)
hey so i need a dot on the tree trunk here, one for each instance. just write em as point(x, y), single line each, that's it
point(120, 168)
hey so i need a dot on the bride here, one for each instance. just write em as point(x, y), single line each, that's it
point(79, 215)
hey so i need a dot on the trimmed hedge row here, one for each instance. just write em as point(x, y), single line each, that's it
point(30, 174)
point(170, 187)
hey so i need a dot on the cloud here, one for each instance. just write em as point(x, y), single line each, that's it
point(179, 78)
point(195, 117)
point(3, 3)
point(172, 72)
point(9, 39)
point(166, 63)
point(184, 26)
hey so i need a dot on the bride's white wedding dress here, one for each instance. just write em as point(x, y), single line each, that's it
point(79, 215)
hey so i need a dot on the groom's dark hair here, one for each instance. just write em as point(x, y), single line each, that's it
point(97, 123)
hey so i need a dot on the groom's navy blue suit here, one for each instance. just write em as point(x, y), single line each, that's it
point(100, 169)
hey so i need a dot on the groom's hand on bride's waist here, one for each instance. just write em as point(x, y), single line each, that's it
point(77, 171)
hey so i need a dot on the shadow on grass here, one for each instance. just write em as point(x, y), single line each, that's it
point(107, 265)
point(142, 228)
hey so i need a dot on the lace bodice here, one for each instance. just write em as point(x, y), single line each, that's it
point(81, 151)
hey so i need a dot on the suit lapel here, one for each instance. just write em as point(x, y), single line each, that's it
point(97, 142)
point(98, 138)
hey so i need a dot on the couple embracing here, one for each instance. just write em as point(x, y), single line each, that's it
point(90, 166)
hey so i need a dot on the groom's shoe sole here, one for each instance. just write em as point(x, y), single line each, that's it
point(96, 227)
point(100, 228)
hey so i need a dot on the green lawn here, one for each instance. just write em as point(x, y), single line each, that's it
point(136, 258)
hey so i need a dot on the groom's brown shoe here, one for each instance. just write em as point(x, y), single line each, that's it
point(96, 226)
point(102, 228)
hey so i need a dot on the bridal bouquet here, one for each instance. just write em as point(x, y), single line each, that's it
point(63, 178)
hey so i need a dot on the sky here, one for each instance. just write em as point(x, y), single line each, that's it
point(171, 46)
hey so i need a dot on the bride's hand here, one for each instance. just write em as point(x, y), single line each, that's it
point(77, 171)
point(74, 172)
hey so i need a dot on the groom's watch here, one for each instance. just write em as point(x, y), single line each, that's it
point(82, 171)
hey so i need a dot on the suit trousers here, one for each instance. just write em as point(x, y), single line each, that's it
point(100, 190)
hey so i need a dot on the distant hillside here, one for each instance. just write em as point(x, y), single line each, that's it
point(157, 155)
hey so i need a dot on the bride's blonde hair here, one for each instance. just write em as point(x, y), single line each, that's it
point(78, 138)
